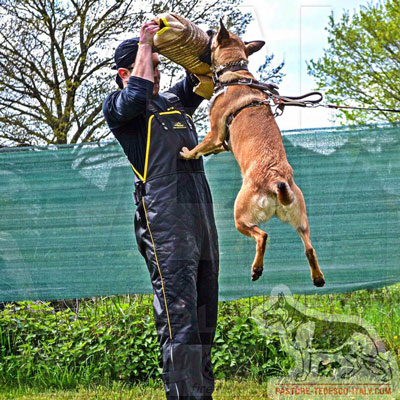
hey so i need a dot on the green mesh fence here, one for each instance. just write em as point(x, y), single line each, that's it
point(66, 219)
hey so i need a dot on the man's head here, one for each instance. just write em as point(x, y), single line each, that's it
point(125, 56)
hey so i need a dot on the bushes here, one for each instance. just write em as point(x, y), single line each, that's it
point(114, 339)
point(241, 350)
point(106, 342)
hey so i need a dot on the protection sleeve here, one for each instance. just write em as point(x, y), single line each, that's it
point(126, 104)
point(184, 90)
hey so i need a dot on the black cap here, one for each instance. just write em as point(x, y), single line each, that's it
point(125, 53)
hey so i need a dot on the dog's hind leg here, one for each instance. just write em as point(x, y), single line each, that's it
point(303, 229)
point(245, 224)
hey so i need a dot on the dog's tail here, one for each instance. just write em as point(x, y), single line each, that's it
point(284, 193)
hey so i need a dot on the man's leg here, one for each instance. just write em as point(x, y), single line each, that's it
point(177, 327)
point(207, 291)
point(174, 280)
point(207, 311)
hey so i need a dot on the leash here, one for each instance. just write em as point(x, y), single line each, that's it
point(360, 108)
point(298, 101)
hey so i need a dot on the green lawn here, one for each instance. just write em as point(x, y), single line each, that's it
point(225, 390)
point(232, 390)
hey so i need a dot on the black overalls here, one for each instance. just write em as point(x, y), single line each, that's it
point(176, 234)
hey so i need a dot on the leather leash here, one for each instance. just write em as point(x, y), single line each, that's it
point(298, 101)
point(271, 90)
point(359, 108)
point(273, 95)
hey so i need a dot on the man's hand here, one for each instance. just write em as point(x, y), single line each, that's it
point(144, 66)
point(147, 32)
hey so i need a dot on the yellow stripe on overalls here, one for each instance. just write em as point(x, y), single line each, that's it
point(159, 269)
point(146, 162)
point(143, 178)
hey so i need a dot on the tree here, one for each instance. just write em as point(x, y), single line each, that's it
point(50, 63)
point(361, 66)
point(55, 59)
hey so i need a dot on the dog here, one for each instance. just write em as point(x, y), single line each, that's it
point(268, 187)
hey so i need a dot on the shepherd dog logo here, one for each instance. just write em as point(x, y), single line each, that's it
point(179, 125)
point(338, 347)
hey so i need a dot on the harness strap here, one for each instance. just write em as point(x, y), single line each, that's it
point(237, 65)
point(270, 87)
point(271, 90)
point(228, 69)
point(232, 116)
point(298, 101)
point(175, 101)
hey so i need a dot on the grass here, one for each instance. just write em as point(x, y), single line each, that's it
point(224, 390)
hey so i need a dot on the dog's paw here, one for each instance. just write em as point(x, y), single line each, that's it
point(184, 153)
point(319, 282)
point(256, 273)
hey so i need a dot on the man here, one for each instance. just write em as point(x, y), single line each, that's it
point(174, 222)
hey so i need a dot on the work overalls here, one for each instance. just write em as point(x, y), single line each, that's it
point(176, 234)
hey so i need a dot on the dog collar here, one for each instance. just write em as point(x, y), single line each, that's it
point(229, 67)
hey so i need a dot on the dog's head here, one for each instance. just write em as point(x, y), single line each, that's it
point(227, 47)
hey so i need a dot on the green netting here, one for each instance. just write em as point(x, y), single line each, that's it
point(66, 227)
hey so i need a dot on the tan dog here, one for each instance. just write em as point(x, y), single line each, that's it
point(268, 187)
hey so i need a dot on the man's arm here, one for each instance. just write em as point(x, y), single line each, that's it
point(127, 103)
point(184, 90)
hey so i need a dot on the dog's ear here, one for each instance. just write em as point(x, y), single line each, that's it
point(223, 33)
point(253, 46)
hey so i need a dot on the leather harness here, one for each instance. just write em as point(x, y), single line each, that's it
point(269, 88)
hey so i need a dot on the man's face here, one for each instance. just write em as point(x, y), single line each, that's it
point(125, 73)
point(156, 62)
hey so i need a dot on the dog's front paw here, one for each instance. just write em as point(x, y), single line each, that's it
point(185, 153)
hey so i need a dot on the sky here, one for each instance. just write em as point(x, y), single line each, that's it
point(294, 31)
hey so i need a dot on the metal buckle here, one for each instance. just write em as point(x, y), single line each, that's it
point(245, 81)
point(139, 192)
point(215, 78)
point(276, 101)
point(279, 110)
